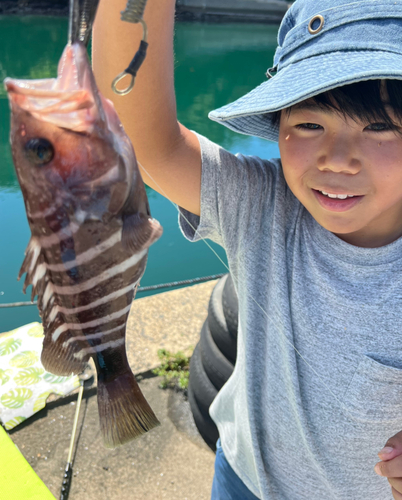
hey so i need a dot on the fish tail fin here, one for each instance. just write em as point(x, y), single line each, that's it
point(124, 413)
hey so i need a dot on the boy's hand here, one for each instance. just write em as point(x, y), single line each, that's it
point(391, 464)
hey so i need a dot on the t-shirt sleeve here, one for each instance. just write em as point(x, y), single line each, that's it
point(236, 191)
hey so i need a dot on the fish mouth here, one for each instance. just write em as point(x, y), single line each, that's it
point(69, 101)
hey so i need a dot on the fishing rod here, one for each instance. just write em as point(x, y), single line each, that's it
point(84, 377)
point(68, 471)
point(133, 14)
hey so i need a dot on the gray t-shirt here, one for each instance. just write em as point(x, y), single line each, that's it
point(317, 387)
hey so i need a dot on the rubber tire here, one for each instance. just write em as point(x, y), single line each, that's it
point(204, 423)
point(203, 389)
point(226, 342)
point(230, 305)
point(217, 367)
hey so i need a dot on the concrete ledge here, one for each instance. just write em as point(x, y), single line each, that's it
point(170, 320)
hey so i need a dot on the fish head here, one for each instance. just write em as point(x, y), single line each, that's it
point(68, 145)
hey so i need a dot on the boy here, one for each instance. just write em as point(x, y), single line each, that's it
point(313, 241)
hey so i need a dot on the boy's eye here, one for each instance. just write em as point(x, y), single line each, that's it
point(380, 127)
point(308, 126)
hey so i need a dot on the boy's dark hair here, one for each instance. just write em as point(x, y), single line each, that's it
point(364, 101)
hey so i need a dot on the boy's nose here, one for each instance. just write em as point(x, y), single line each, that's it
point(340, 156)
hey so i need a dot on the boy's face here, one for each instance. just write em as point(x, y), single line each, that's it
point(322, 151)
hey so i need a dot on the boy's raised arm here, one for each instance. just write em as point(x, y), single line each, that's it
point(166, 149)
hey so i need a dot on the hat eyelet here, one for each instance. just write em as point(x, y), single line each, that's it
point(313, 20)
point(270, 71)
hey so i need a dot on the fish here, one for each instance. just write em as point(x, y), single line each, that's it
point(91, 229)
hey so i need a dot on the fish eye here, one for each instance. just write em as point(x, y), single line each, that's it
point(39, 151)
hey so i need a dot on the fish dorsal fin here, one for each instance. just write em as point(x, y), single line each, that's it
point(57, 357)
point(35, 268)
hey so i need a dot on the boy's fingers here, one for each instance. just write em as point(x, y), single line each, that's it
point(392, 448)
point(388, 452)
point(396, 494)
point(390, 468)
point(396, 484)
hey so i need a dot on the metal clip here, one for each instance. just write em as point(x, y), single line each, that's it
point(117, 80)
point(268, 73)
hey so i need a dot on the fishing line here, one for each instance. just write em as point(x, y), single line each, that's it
point(251, 296)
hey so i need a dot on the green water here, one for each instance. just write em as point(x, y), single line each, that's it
point(214, 65)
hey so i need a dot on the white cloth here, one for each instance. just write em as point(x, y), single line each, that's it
point(24, 384)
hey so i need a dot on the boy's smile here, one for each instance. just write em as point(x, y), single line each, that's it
point(336, 202)
point(347, 174)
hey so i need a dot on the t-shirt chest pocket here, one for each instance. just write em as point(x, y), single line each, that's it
point(375, 392)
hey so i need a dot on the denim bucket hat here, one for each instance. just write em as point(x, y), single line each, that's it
point(321, 45)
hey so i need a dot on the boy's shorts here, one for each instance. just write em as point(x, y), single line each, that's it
point(226, 484)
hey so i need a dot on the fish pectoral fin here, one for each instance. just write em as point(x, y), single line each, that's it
point(119, 190)
point(139, 232)
point(118, 197)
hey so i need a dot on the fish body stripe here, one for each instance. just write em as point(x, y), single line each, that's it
point(88, 255)
point(91, 305)
point(93, 336)
point(109, 177)
point(81, 326)
point(44, 213)
point(63, 234)
point(98, 348)
point(109, 273)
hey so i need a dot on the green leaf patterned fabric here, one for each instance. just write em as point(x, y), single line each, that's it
point(24, 359)
point(5, 376)
point(14, 422)
point(24, 383)
point(29, 376)
point(36, 330)
point(55, 379)
point(40, 402)
point(16, 397)
point(9, 346)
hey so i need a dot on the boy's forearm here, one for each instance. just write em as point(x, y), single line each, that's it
point(148, 113)
point(168, 151)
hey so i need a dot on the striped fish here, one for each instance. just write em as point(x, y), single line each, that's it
point(91, 228)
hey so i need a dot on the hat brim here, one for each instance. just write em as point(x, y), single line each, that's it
point(252, 114)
